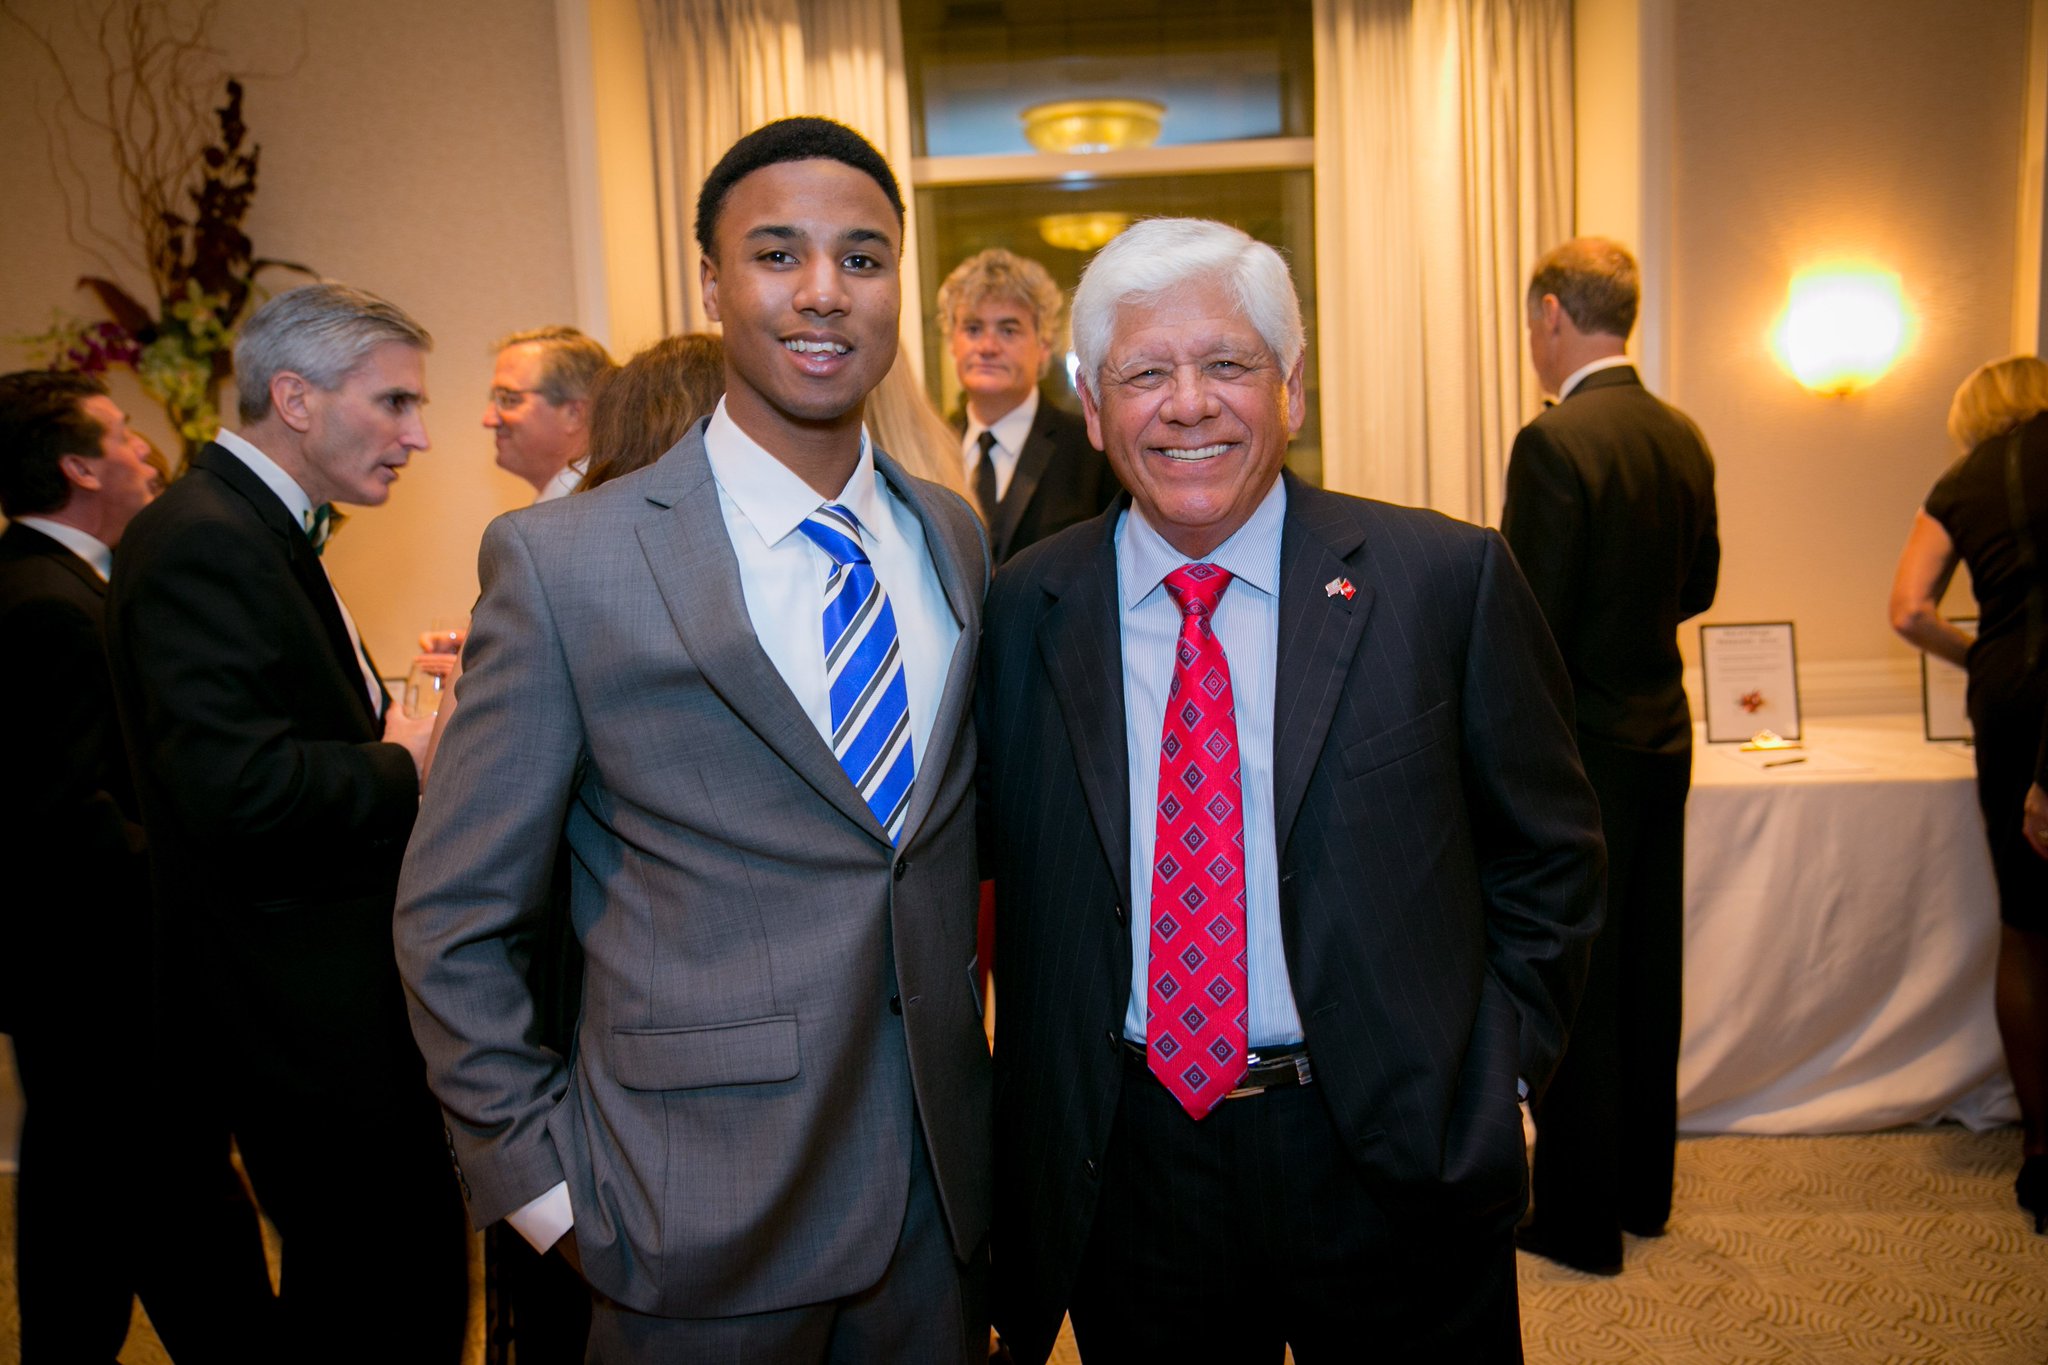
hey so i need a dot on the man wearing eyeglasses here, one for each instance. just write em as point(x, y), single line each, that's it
point(539, 406)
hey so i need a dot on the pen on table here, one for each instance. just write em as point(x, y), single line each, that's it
point(1781, 762)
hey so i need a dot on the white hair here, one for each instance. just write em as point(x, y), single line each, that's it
point(1151, 259)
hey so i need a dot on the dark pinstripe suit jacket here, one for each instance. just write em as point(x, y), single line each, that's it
point(1440, 866)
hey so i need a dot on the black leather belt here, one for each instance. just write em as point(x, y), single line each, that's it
point(1266, 1069)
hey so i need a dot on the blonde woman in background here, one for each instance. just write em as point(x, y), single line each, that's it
point(1990, 511)
point(903, 422)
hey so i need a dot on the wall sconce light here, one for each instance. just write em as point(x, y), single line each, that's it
point(1842, 328)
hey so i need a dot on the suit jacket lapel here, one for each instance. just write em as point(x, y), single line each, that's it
point(1080, 638)
point(690, 554)
point(1032, 462)
point(1319, 634)
point(305, 564)
point(963, 574)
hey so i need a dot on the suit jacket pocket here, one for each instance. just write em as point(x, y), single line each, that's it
point(746, 1052)
point(1411, 736)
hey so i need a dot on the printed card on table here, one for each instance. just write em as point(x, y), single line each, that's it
point(1750, 674)
point(1944, 690)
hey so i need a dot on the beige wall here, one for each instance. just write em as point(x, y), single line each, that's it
point(1888, 129)
point(419, 150)
point(416, 150)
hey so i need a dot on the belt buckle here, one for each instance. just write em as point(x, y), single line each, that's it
point(1252, 1063)
point(1302, 1074)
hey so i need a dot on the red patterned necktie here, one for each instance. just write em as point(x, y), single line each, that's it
point(1194, 1019)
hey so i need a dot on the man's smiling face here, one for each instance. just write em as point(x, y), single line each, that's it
point(1194, 412)
point(805, 281)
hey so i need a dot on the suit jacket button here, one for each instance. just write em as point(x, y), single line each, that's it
point(1118, 910)
point(902, 866)
point(1088, 1165)
point(895, 1004)
point(1115, 1039)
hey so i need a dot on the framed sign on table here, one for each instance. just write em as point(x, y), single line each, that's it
point(1750, 674)
point(1944, 694)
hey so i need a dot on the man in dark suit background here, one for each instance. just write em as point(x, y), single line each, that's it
point(102, 1156)
point(1294, 882)
point(1610, 511)
point(279, 784)
point(1031, 466)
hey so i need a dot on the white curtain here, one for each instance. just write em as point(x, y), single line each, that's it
point(1443, 169)
point(718, 69)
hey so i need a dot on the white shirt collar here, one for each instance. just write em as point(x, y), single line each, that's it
point(566, 480)
point(1251, 555)
point(1011, 428)
point(1576, 377)
point(84, 544)
point(274, 478)
point(768, 492)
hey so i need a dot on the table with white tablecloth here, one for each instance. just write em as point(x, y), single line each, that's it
point(1841, 932)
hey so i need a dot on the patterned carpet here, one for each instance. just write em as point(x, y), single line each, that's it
point(1889, 1247)
point(1903, 1246)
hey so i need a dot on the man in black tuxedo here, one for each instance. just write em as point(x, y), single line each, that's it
point(102, 1154)
point(1295, 869)
point(279, 784)
point(1031, 466)
point(1610, 510)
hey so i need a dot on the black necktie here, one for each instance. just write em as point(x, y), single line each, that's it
point(985, 480)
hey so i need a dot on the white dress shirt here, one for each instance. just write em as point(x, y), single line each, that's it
point(566, 481)
point(84, 544)
point(1011, 429)
point(1247, 623)
point(1578, 376)
point(782, 577)
point(301, 507)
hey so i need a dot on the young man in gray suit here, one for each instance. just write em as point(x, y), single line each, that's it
point(736, 684)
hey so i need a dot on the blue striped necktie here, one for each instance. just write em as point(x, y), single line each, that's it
point(864, 672)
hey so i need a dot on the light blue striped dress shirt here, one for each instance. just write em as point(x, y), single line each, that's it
point(1247, 621)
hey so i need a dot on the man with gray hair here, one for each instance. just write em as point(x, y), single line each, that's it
point(1610, 510)
point(538, 411)
point(278, 784)
point(1295, 869)
point(1030, 465)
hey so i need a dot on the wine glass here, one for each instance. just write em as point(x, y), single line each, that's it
point(435, 668)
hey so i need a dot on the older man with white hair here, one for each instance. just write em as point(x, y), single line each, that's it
point(1295, 869)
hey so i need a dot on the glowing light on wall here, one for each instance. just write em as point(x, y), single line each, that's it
point(1842, 328)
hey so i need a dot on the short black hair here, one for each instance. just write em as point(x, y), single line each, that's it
point(790, 139)
point(43, 419)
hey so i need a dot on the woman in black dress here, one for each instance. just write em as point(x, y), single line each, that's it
point(1990, 511)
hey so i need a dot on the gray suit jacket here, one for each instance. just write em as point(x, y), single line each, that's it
point(773, 995)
